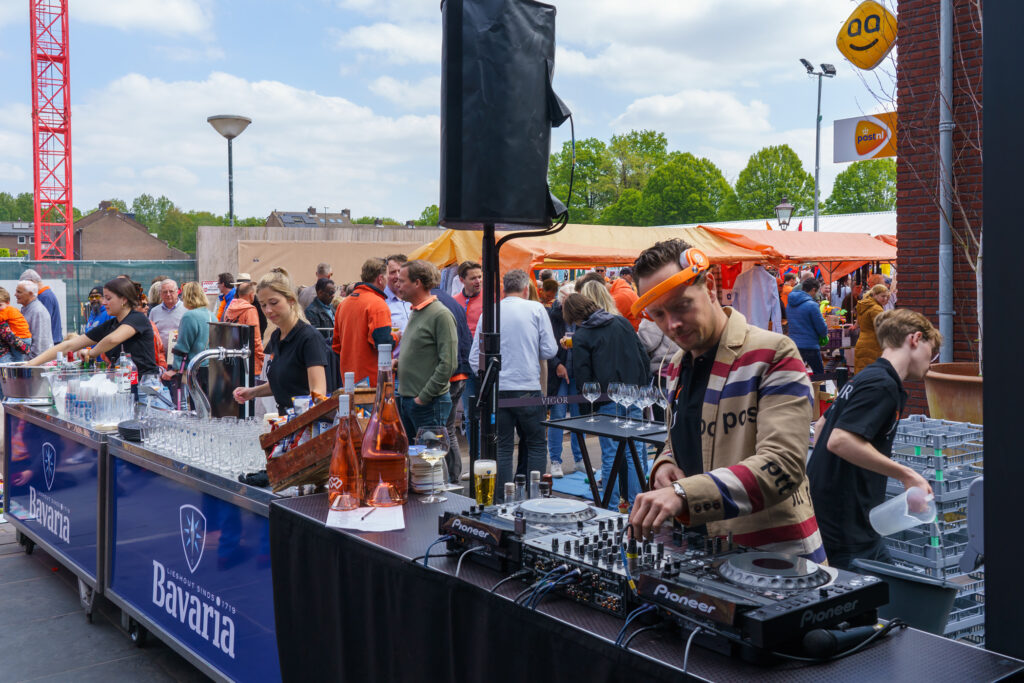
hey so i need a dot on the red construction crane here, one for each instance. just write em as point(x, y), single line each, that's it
point(51, 131)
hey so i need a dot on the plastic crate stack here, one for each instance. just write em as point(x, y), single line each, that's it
point(950, 456)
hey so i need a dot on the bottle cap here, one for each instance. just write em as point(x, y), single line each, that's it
point(343, 404)
point(534, 475)
point(384, 355)
point(520, 478)
point(350, 382)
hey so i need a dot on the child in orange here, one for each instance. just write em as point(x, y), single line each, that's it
point(15, 336)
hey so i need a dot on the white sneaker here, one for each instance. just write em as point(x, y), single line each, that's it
point(464, 476)
point(556, 470)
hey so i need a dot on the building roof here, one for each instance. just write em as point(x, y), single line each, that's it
point(309, 219)
point(875, 223)
point(16, 228)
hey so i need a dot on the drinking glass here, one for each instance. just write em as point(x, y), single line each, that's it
point(591, 392)
point(613, 393)
point(662, 400)
point(629, 398)
point(647, 399)
point(434, 439)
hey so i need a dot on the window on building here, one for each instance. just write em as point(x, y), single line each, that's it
point(21, 239)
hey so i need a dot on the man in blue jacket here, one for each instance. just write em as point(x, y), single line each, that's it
point(806, 326)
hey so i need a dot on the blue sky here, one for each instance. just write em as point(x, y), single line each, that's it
point(344, 93)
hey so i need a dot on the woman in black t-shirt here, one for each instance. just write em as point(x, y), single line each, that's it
point(127, 331)
point(299, 352)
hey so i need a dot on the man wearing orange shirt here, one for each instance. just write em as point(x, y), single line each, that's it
point(363, 322)
point(787, 286)
point(624, 296)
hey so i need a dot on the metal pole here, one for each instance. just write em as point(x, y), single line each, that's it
point(817, 154)
point(231, 188)
point(490, 342)
point(946, 180)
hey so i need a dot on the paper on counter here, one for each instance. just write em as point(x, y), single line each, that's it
point(381, 519)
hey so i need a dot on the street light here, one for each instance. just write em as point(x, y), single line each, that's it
point(784, 212)
point(828, 71)
point(230, 127)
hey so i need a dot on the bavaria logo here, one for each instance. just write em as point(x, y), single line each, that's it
point(49, 464)
point(193, 534)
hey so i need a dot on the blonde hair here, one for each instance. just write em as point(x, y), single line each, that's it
point(278, 281)
point(5, 296)
point(878, 289)
point(892, 328)
point(598, 293)
point(192, 296)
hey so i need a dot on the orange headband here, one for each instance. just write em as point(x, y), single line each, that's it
point(692, 261)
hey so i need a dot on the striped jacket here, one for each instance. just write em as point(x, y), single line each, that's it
point(754, 436)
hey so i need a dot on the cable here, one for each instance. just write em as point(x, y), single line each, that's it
point(637, 632)
point(689, 642)
point(474, 549)
point(539, 583)
point(426, 555)
point(568, 578)
point(453, 553)
point(625, 558)
point(519, 574)
point(572, 169)
point(631, 618)
point(857, 648)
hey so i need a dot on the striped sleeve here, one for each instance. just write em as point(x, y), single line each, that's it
point(786, 377)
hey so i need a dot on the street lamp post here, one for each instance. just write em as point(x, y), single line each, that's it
point(230, 127)
point(828, 71)
point(784, 212)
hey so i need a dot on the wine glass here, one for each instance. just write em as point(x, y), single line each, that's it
point(647, 399)
point(434, 439)
point(591, 392)
point(662, 400)
point(613, 393)
point(629, 398)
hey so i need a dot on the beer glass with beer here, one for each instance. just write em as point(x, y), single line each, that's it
point(485, 475)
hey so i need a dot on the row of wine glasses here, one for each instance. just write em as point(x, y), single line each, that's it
point(627, 395)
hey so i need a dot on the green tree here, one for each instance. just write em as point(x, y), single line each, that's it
point(593, 180)
point(865, 186)
point(429, 216)
point(636, 155)
point(369, 220)
point(684, 190)
point(151, 212)
point(24, 207)
point(771, 174)
point(628, 210)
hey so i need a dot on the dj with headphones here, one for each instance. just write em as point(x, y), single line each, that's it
point(739, 416)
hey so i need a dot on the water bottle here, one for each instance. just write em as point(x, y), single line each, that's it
point(133, 375)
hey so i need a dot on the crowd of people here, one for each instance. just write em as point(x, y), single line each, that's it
point(722, 370)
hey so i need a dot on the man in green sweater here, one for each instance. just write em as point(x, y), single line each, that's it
point(429, 350)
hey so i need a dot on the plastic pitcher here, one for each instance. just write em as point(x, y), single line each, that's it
point(909, 509)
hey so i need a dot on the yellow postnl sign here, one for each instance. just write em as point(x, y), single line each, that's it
point(867, 35)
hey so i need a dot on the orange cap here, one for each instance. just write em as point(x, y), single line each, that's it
point(693, 262)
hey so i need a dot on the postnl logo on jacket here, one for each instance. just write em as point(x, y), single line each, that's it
point(871, 135)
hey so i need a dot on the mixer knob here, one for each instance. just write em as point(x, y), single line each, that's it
point(554, 545)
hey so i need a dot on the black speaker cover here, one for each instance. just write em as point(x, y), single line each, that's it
point(497, 110)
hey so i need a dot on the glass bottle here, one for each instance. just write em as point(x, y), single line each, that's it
point(384, 466)
point(344, 486)
point(350, 391)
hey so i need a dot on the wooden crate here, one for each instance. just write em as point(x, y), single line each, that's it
point(310, 462)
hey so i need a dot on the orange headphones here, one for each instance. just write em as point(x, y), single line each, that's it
point(693, 262)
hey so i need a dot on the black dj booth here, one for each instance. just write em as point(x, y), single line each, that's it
point(356, 606)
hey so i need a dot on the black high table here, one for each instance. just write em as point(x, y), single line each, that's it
point(581, 427)
point(356, 607)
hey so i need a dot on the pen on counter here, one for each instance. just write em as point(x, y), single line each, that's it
point(367, 514)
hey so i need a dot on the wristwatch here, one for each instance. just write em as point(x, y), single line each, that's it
point(680, 491)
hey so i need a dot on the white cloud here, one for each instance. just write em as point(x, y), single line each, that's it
point(399, 43)
point(396, 10)
point(170, 17)
point(142, 134)
point(425, 94)
point(690, 115)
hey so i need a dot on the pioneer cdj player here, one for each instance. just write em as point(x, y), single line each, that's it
point(745, 600)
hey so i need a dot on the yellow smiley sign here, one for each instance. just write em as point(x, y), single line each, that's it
point(868, 35)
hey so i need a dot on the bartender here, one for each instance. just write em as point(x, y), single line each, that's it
point(127, 331)
point(299, 352)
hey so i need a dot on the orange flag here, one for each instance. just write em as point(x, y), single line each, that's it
point(768, 224)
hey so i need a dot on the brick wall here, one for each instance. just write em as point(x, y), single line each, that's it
point(917, 168)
